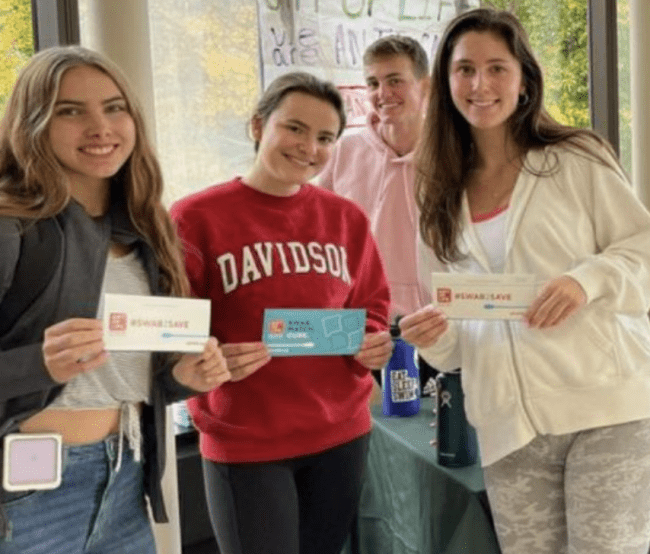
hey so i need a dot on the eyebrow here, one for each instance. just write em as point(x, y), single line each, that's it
point(493, 60)
point(394, 74)
point(81, 103)
point(305, 126)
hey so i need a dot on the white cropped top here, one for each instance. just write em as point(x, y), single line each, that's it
point(125, 379)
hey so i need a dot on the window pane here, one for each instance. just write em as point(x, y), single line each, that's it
point(624, 74)
point(558, 36)
point(205, 82)
point(16, 43)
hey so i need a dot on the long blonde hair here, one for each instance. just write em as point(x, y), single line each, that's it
point(33, 183)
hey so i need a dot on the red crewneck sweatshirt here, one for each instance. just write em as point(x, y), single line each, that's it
point(247, 251)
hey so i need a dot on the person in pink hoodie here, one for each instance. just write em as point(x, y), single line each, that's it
point(375, 167)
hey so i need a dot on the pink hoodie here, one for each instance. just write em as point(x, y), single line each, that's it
point(366, 170)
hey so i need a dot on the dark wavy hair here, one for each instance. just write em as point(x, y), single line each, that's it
point(34, 184)
point(446, 151)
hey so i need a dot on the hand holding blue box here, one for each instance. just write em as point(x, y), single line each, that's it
point(307, 332)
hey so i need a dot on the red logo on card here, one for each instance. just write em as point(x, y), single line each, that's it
point(117, 321)
point(276, 326)
point(443, 295)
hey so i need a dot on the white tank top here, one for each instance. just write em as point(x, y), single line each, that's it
point(491, 231)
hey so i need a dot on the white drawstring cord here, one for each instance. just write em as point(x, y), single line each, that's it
point(129, 427)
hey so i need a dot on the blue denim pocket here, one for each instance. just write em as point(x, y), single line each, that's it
point(93, 506)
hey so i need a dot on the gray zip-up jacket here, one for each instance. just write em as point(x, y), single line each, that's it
point(25, 384)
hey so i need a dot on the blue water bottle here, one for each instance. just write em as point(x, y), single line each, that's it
point(400, 379)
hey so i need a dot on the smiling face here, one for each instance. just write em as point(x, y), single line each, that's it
point(485, 81)
point(395, 93)
point(295, 143)
point(91, 131)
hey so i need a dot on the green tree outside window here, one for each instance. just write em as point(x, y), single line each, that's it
point(624, 74)
point(16, 43)
point(558, 36)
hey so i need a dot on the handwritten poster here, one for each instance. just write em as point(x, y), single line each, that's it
point(328, 37)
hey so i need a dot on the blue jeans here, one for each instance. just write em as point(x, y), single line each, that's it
point(96, 510)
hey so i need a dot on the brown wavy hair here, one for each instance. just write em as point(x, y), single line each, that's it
point(33, 183)
point(445, 154)
point(398, 45)
point(298, 81)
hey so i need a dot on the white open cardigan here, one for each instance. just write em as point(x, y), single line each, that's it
point(582, 219)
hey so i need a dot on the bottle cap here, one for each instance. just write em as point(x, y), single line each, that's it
point(395, 331)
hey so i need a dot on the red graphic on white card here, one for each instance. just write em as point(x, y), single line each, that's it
point(117, 321)
point(444, 295)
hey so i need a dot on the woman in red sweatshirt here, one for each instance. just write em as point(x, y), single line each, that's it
point(284, 443)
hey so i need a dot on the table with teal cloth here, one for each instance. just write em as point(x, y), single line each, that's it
point(410, 504)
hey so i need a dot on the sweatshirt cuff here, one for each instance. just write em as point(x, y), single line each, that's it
point(444, 354)
point(589, 280)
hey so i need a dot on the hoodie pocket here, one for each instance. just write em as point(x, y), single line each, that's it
point(578, 353)
point(632, 344)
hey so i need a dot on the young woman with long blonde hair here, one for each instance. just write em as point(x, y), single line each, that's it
point(73, 151)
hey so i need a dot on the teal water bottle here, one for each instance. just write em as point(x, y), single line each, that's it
point(457, 444)
point(400, 379)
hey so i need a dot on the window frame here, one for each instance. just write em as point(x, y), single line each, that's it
point(603, 69)
point(55, 23)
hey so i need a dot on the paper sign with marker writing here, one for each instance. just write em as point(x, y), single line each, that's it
point(485, 296)
point(301, 332)
point(155, 323)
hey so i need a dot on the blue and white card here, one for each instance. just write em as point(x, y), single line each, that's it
point(300, 332)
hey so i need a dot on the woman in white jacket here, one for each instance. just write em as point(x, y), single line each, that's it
point(561, 399)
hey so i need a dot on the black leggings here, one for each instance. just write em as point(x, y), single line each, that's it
point(298, 506)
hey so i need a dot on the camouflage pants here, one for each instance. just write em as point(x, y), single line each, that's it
point(581, 493)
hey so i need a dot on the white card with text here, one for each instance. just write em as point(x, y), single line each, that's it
point(483, 296)
point(155, 323)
